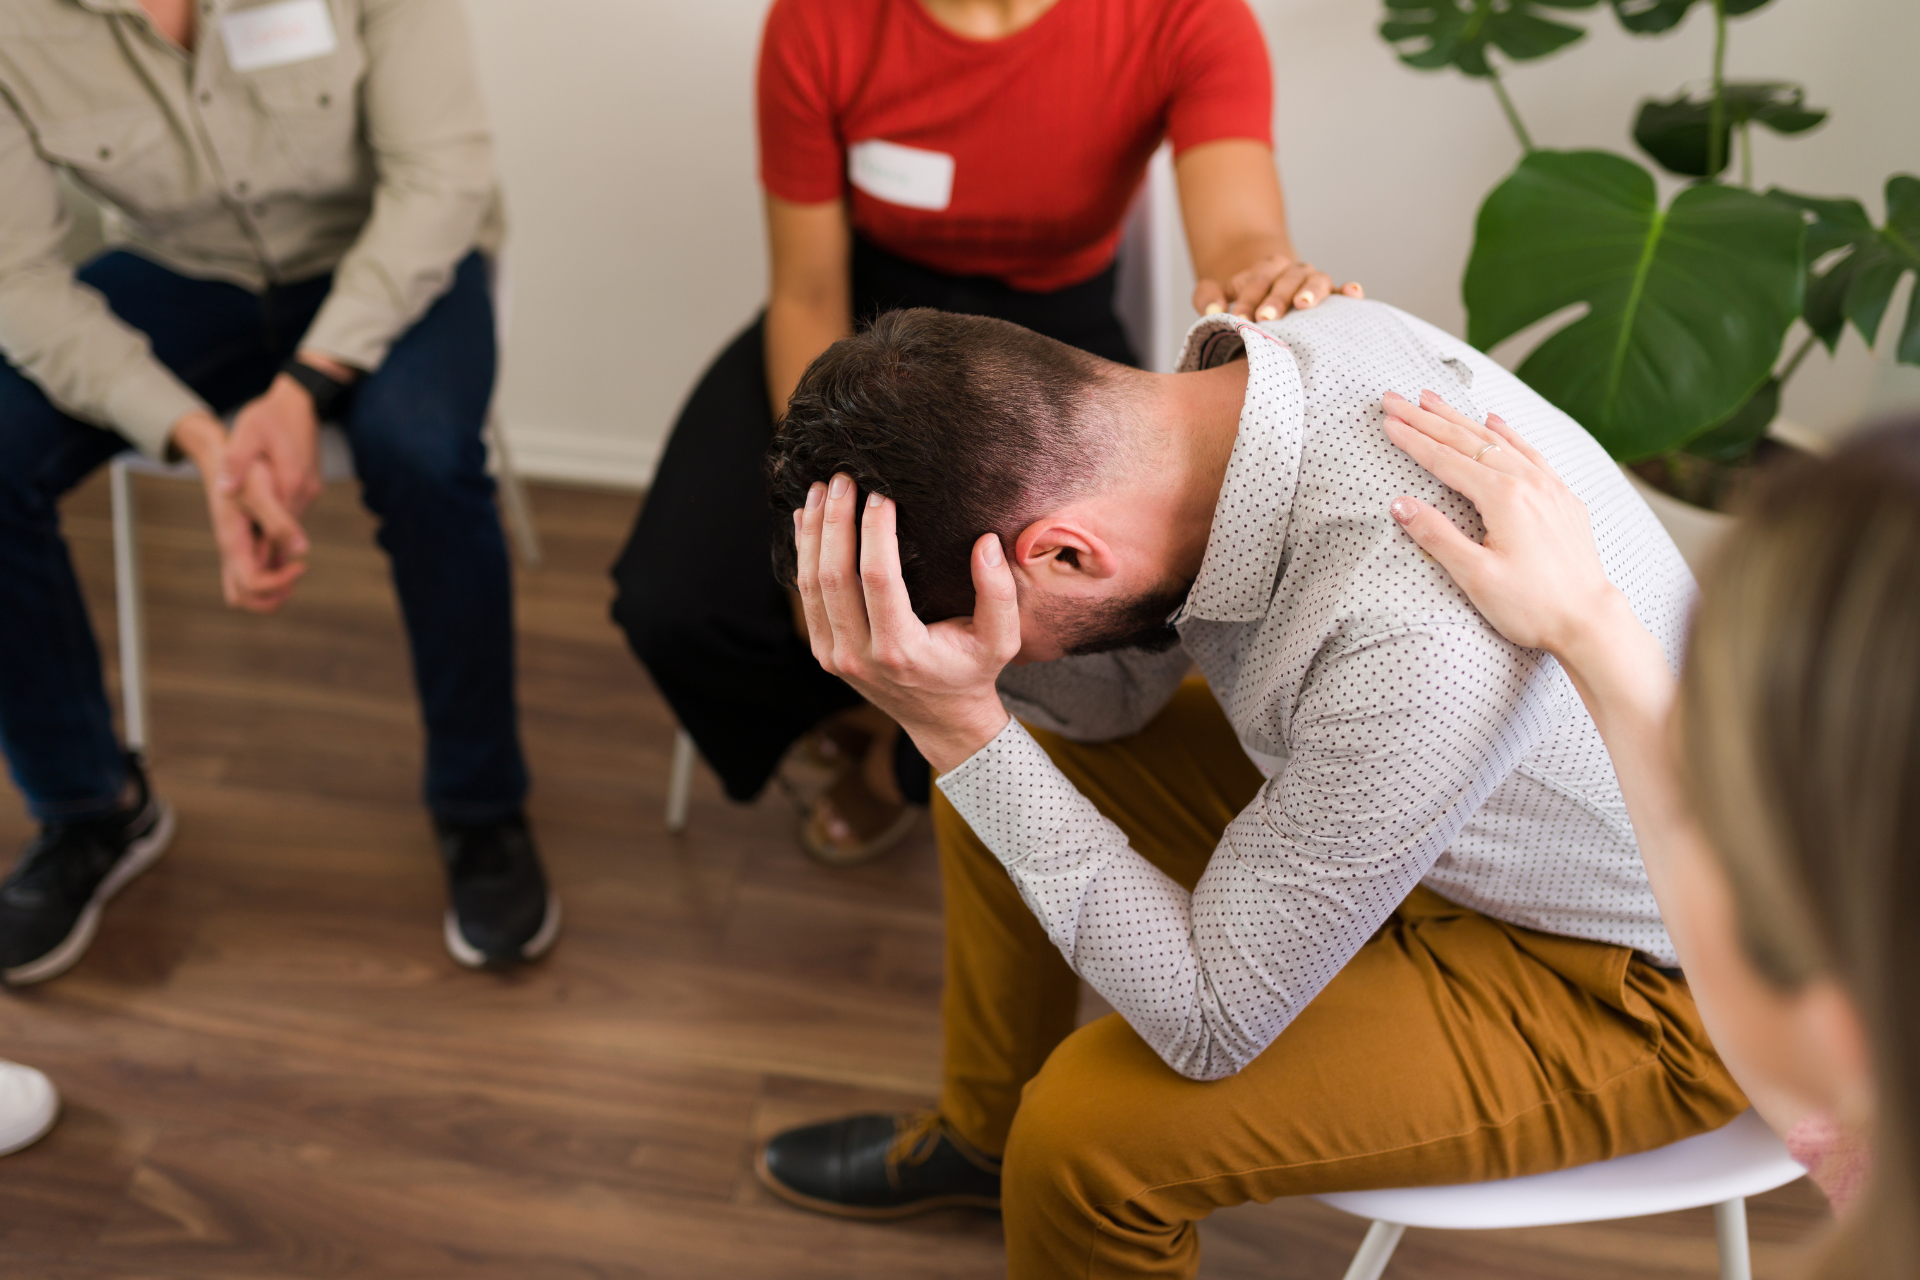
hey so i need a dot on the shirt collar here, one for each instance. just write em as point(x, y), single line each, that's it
point(1249, 532)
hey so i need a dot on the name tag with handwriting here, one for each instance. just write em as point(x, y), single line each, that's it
point(272, 35)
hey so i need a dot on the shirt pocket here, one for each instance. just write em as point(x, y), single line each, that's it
point(312, 110)
point(128, 158)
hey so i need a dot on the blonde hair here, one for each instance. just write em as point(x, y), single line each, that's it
point(1800, 728)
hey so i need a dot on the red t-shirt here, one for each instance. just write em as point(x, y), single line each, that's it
point(1015, 158)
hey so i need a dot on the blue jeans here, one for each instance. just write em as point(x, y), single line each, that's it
point(415, 427)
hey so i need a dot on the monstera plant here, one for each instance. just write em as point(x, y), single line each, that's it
point(1682, 309)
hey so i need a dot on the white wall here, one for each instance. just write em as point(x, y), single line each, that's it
point(626, 139)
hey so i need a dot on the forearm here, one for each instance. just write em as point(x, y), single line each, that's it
point(1120, 922)
point(798, 328)
point(200, 437)
point(1234, 210)
point(90, 363)
point(422, 115)
point(1623, 678)
point(1223, 258)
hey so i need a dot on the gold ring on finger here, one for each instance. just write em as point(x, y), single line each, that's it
point(1484, 451)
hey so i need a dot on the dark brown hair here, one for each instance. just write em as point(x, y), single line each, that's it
point(1800, 723)
point(972, 425)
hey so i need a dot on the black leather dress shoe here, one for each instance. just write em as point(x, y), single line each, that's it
point(878, 1166)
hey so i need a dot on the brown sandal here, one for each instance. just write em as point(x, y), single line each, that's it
point(820, 759)
point(849, 824)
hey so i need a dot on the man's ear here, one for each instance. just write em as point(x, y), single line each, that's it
point(1063, 549)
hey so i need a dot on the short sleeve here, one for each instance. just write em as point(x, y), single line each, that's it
point(802, 156)
point(1221, 80)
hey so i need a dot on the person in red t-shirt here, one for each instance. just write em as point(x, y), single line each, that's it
point(974, 156)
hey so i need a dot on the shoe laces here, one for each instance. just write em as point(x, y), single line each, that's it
point(915, 1138)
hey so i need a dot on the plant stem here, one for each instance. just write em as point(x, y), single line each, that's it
point(1746, 155)
point(1793, 361)
point(1716, 135)
point(1506, 105)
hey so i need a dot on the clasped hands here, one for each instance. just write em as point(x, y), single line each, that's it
point(259, 481)
point(936, 681)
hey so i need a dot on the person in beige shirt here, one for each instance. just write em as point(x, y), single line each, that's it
point(301, 201)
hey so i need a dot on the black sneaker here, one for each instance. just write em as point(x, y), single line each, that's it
point(878, 1166)
point(50, 902)
point(499, 911)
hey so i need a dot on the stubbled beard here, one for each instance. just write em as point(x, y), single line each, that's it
point(1130, 622)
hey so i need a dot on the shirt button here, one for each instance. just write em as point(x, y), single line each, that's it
point(326, 99)
point(260, 210)
point(206, 95)
point(240, 188)
point(106, 153)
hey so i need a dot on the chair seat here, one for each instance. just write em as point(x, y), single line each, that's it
point(336, 460)
point(1742, 1159)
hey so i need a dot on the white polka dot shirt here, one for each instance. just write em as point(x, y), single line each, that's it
point(1404, 741)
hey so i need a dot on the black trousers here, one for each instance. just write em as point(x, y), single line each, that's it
point(697, 596)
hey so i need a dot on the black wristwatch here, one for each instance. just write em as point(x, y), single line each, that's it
point(326, 391)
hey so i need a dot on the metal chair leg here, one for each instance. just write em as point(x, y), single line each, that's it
point(126, 591)
point(1371, 1262)
point(679, 781)
point(513, 496)
point(1730, 1226)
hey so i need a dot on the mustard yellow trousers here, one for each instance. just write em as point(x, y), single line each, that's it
point(1452, 1048)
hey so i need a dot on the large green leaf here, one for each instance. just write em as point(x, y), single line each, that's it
point(1858, 284)
point(1430, 34)
point(1676, 132)
point(1729, 441)
point(1651, 17)
point(1686, 306)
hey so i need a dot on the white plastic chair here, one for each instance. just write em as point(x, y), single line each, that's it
point(1145, 296)
point(336, 463)
point(1721, 1169)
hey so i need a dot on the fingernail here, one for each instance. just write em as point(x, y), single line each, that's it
point(874, 500)
point(1494, 417)
point(1267, 313)
point(991, 553)
point(1395, 395)
point(1426, 395)
point(1402, 509)
point(1353, 291)
point(837, 488)
point(1214, 308)
point(815, 492)
point(1304, 298)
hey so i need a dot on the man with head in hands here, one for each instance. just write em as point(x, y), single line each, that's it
point(1364, 898)
point(302, 197)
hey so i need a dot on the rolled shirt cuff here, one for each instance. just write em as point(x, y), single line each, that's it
point(356, 331)
point(145, 401)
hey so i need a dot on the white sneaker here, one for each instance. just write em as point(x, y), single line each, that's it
point(28, 1106)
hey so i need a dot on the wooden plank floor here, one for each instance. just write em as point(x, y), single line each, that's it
point(272, 1069)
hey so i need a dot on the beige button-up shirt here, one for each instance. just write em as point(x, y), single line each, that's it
point(370, 159)
point(1404, 740)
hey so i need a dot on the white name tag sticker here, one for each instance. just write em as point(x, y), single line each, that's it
point(273, 35)
point(908, 176)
